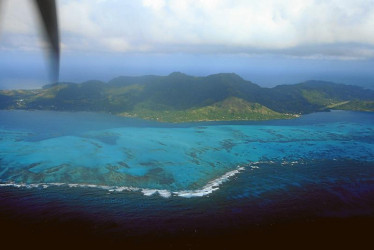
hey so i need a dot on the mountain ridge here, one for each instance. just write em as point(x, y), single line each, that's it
point(179, 97)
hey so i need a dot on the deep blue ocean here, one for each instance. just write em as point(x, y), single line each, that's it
point(138, 176)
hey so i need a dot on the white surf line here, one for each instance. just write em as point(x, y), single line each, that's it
point(163, 193)
point(210, 187)
point(206, 190)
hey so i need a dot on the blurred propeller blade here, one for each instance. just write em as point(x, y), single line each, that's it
point(48, 13)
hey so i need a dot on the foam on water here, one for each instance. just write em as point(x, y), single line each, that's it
point(162, 193)
point(210, 187)
point(206, 190)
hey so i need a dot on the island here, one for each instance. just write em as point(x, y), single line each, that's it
point(183, 98)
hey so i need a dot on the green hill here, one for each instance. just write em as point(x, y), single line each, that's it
point(232, 108)
point(181, 98)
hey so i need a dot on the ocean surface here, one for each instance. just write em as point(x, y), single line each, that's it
point(144, 177)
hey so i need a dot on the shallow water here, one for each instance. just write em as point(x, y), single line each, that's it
point(133, 171)
point(124, 154)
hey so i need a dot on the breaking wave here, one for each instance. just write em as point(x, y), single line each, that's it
point(209, 188)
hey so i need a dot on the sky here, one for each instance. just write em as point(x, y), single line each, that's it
point(268, 42)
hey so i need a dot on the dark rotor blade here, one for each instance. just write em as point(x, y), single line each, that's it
point(48, 13)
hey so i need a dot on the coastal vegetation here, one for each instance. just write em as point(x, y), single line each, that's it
point(183, 98)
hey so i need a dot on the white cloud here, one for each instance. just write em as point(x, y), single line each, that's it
point(154, 4)
point(117, 44)
point(230, 26)
point(18, 17)
point(78, 18)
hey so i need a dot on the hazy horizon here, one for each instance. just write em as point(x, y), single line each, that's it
point(268, 42)
point(261, 70)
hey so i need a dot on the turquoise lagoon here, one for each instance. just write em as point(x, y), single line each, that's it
point(88, 150)
point(125, 177)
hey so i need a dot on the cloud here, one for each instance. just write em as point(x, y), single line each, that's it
point(18, 17)
point(154, 4)
point(306, 28)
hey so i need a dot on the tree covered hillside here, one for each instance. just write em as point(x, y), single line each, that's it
point(179, 98)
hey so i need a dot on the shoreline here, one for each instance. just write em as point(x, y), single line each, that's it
point(290, 116)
